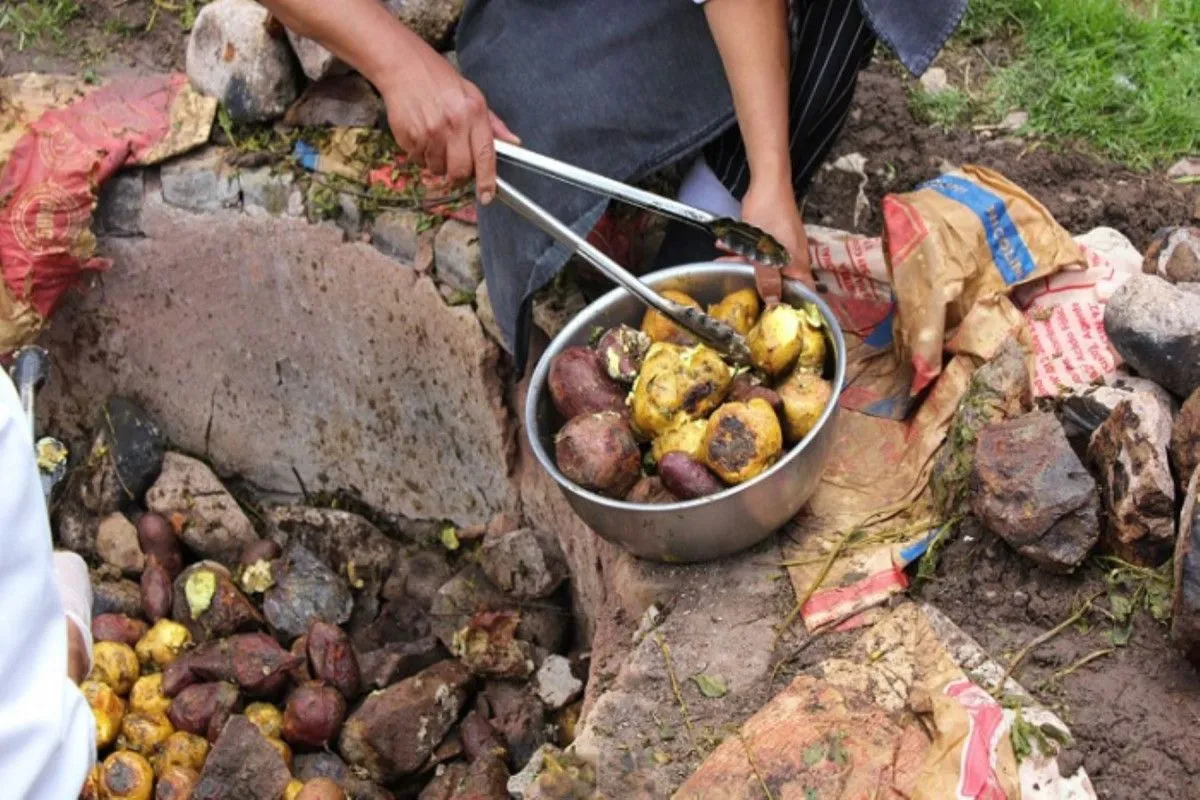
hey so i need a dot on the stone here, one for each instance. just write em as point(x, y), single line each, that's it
point(1129, 455)
point(75, 527)
point(1086, 408)
point(200, 182)
point(231, 55)
point(396, 661)
point(488, 646)
point(210, 321)
point(518, 716)
point(400, 620)
point(115, 595)
point(487, 316)
point(556, 684)
point(214, 525)
point(266, 191)
point(470, 592)
point(119, 205)
point(242, 764)
point(525, 563)
point(418, 576)
point(1030, 489)
point(935, 81)
point(1187, 167)
point(486, 778)
point(520, 784)
point(346, 101)
point(396, 232)
point(1174, 254)
point(479, 738)
point(1185, 437)
point(432, 20)
point(305, 590)
point(315, 61)
point(223, 609)
point(1014, 121)
point(456, 259)
point(1155, 328)
point(556, 305)
point(395, 730)
point(445, 782)
point(117, 544)
point(136, 442)
point(1185, 601)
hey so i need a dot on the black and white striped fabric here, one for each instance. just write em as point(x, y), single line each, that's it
point(831, 43)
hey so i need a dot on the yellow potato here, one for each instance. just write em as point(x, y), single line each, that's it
point(267, 718)
point(163, 643)
point(126, 776)
point(147, 696)
point(812, 350)
point(661, 329)
point(91, 786)
point(180, 749)
point(739, 310)
point(107, 708)
point(143, 733)
point(292, 790)
point(687, 437)
point(742, 440)
point(176, 783)
point(116, 665)
point(776, 339)
point(284, 750)
point(804, 396)
point(676, 385)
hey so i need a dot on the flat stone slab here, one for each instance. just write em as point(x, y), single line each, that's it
point(277, 350)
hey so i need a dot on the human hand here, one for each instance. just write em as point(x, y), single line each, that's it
point(442, 121)
point(75, 589)
point(774, 209)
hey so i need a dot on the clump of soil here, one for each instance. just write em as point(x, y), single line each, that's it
point(1133, 713)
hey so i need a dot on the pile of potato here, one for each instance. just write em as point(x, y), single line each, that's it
point(160, 700)
point(653, 416)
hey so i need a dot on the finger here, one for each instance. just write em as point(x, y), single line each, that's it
point(483, 149)
point(435, 155)
point(501, 131)
point(769, 282)
point(459, 159)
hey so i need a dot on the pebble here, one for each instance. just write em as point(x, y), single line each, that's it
point(242, 764)
point(315, 61)
point(1185, 437)
point(117, 544)
point(935, 81)
point(395, 233)
point(305, 589)
point(1185, 605)
point(214, 525)
point(1174, 254)
point(1155, 327)
point(346, 101)
point(119, 205)
point(201, 182)
point(525, 563)
point(457, 262)
point(556, 684)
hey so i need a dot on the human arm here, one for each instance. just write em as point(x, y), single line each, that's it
point(752, 39)
point(438, 118)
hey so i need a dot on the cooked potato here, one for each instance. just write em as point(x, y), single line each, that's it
point(176, 783)
point(687, 437)
point(776, 340)
point(115, 664)
point(687, 478)
point(812, 349)
point(117, 628)
point(621, 351)
point(321, 789)
point(598, 452)
point(107, 708)
point(745, 388)
point(143, 733)
point(91, 785)
point(267, 718)
point(742, 440)
point(284, 750)
point(650, 490)
point(661, 329)
point(676, 385)
point(126, 776)
point(292, 790)
point(157, 591)
point(163, 643)
point(147, 695)
point(579, 385)
point(739, 310)
point(180, 749)
point(158, 539)
point(804, 395)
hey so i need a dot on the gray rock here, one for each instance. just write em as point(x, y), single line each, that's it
point(487, 316)
point(557, 304)
point(418, 576)
point(1086, 408)
point(1185, 438)
point(517, 715)
point(1155, 327)
point(214, 524)
point(119, 205)
point(395, 233)
point(432, 20)
point(117, 544)
point(399, 621)
point(1129, 454)
point(315, 60)
point(520, 784)
point(305, 590)
point(1029, 488)
point(525, 563)
point(232, 56)
point(935, 81)
point(394, 662)
point(76, 528)
point(137, 445)
point(112, 594)
point(1174, 254)
point(1185, 604)
point(242, 764)
point(456, 259)
point(266, 191)
point(470, 592)
point(346, 101)
point(556, 684)
point(200, 182)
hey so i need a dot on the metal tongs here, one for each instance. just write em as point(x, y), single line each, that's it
point(30, 371)
point(738, 237)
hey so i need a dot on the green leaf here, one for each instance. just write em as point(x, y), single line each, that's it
point(710, 685)
point(450, 538)
point(1122, 608)
point(815, 754)
point(837, 753)
point(1120, 634)
point(811, 794)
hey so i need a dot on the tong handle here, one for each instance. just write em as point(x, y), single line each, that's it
point(583, 179)
point(30, 371)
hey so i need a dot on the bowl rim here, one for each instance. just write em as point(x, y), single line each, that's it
point(538, 384)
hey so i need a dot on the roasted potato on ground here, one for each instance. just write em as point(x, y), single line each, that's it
point(267, 718)
point(147, 696)
point(180, 749)
point(144, 733)
point(742, 440)
point(163, 643)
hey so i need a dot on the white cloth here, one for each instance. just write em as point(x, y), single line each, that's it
point(47, 732)
point(702, 189)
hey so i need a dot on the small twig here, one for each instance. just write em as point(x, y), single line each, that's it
point(750, 758)
point(1024, 652)
point(1089, 658)
point(812, 587)
point(812, 637)
point(687, 718)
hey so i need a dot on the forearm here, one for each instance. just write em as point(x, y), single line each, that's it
point(752, 38)
point(360, 32)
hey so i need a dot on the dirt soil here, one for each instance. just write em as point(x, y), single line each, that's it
point(1134, 713)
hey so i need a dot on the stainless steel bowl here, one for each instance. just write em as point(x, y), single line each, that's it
point(710, 527)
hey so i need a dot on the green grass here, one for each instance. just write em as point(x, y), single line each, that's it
point(1122, 76)
point(35, 21)
point(946, 110)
